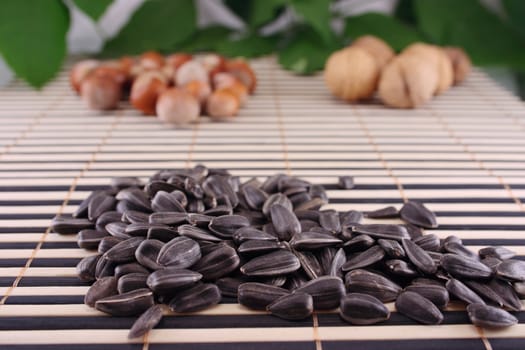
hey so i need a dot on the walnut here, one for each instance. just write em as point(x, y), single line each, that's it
point(351, 74)
point(378, 48)
point(461, 63)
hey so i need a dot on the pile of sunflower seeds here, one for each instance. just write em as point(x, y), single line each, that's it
point(187, 238)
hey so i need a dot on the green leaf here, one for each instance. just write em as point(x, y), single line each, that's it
point(515, 10)
point(249, 46)
point(205, 39)
point(395, 33)
point(33, 37)
point(405, 11)
point(93, 8)
point(256, 13)
point(156, 25)
point(468, 24)
point(317, 14)
point(307, 52)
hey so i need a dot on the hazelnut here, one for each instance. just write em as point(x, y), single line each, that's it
point(228, 81)
point(177, 106)
point(178, 59)
point(407, 82)
point(351, 74)
point(242, 71)
point(151, 60)
point(378, 48)
point(145, 91)
point(110, 71)
point(191, 71)
point(100, 92)
point(198, 89)
point(222, 104)
point(461, 63)
point(213, 64)
point(439, 59)
point(80, 71)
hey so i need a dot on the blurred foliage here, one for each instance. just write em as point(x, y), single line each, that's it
point(32, 32)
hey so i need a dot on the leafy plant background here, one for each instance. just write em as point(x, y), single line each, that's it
point(302, 33)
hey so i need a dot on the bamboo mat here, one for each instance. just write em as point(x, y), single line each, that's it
point(463, 155)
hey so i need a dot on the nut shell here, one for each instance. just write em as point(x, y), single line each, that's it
point(351, 74)
point(177, 106)
point(461, 63)
point(222, 104)
point(378, 48)
point(151, 60)
point(198, 89)
point(100, 92)
point(408, 82)
point(191, 71)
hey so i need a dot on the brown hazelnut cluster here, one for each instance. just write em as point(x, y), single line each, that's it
point(406, 80)
point(177, 88)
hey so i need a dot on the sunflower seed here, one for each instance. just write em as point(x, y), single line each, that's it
point(254, 197)
point(147, 253)
point(90, 239)
point(218, 186)
point(384, 213)
point(401, 268)
point(462, 267)
point(312, 215)
point(197, 233)
point(146, 322)
point(346, 182)
point(104, 268)
point(99, 204)
point(462, 292)
point(362, 281)
point(254, 247)
point(132, 267)
point(358, 244)
point(107, 243)
point(162, 233)
point(258, 296)
point(309, 263)
point(486, 292)
point(127, 304)
point(491, 262)
point(180, 252)
point(519, 287)
point(170, 279)
point(325, 256)
point(286, 182)
point(270, 185)
point(501, 253)
point(66, 225)
point(106, 218)
point(277, 198)
point(419, 308)
point(137, 199)
point(507, 294)
point(459, 249)
point(138, 229)
point(125, 181)
point(124, 251)
point(326, 292)
point(218, 263)
point(86, 268)
point(392, 248)
point(134, 217)
point(280, 262)
point(155, 186)
point(229, 285)
point(118, 229)
point(199, 220)
point(132, 281)
point(351, 218)
point(295, 306)
point(102, 288)
point(168, 218)
point(337, 262)
point(225, 226)
point(364, 259)
point(330, 221)
point(196, 298)
point(436, 293)
point(419, 257)
point(396, 232)
point(490, 317)
point(428, 242)
point(513, 270)
point(363, 309)
point(82, 209)
point(249, 233)
point(417, 214)
point(284, 221)
point(313, 240)
point(167, 202)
